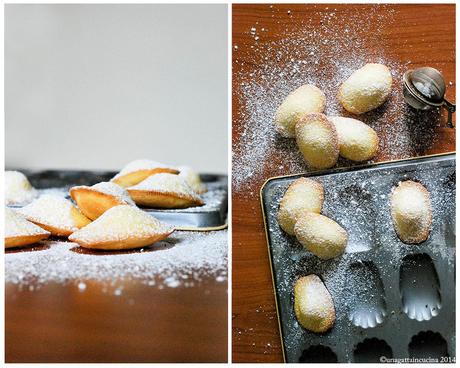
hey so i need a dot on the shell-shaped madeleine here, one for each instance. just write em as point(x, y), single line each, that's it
point(55, 214)
point(95, 200)
point(302, 195)
point(313, 304)
point(357, 141)
point(192, 178)
point(305, 99)
point(317, 140)
point(18, 190)
point(411, 212)
point(138, 170)
point(164, 191)
point(320, 235)
point(122, 227)
point(20, 232)
point(366, 89)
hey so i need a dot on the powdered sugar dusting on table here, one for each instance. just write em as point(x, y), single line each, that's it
point(324, 56)
point(184, 259)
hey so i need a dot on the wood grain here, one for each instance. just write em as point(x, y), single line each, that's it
point(144, 324)
point(423, 34)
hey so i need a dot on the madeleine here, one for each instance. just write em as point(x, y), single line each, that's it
point(305, 99)
point(317, 140)
point(303, 195)
point(320, 235)
point(313, 305)
point(411, 212)
point(357, 141)
point(366, 89)
point(122, 227)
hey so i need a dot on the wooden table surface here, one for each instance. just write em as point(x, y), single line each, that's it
point(425, 34)
point(143, 324)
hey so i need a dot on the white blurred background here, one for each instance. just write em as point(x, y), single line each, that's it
point(96, 86)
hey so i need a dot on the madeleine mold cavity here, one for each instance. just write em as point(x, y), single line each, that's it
point(419, 286)
point(372, 351)
point(364, 290)
point(318, 354)
point(385, 292)
point(428, 345)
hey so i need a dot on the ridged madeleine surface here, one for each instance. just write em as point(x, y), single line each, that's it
point(320, 235)
point(317, 140)
point(357, 141)
point(303, 195)
point(313, 304)
point(411, 212)
point(366, 89)
point(305, 99)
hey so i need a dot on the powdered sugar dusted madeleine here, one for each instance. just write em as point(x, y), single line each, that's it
point(305, 99)
point(20, 232)
point(366, 89)
point(320, 235)
point(95, 200)
point(317, 141)
point(164, 191)
point(357, 141)
point(313, 304)
point(411, 212)
point(55, 214)
point(18, 190)
point(122, 227)
point(193, 179)
point(303, 195)
point(138, 170)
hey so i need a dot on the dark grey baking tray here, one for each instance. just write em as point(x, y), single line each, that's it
point(410, 287)
point(211, 216)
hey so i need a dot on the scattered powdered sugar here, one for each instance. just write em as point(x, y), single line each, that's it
point(267, 71)
point(60, 192)
point(184, 259)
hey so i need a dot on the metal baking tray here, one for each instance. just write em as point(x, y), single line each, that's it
point(410, 287)
point(211, 216)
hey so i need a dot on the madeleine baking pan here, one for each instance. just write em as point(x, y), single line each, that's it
point(211, 216)
point(393, 301)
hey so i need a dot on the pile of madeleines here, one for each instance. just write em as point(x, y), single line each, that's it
point(105, 215)
point(300, 215)
point(320, 138)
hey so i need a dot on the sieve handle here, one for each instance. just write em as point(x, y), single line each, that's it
point(450, 110)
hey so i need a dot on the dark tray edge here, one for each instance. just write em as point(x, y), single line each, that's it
point(313, 173)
